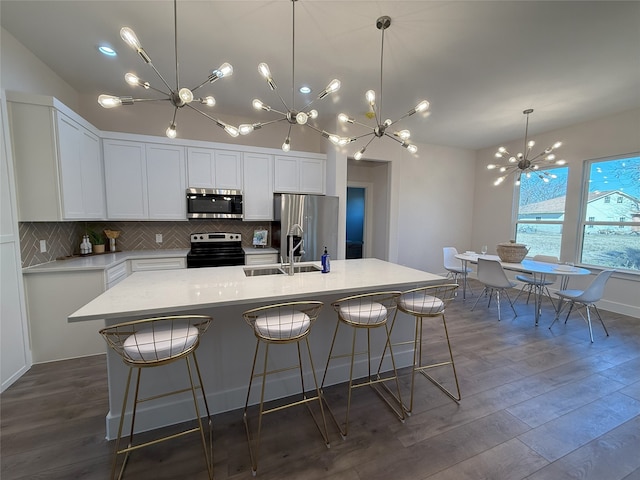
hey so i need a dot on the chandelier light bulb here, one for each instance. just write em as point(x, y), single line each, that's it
point(403, 134)
point(359, 153)
point(499, 180)
point(557, 145)
point(263, 68)
point(245, 129)
point(503, 169)
point(286, 146)
point(224, 70)
point(344, 118)
point(301, 118)
point(531, 144)
point(491, 166)
point(231, 130)
point(561, 162)
point(109, 101)
point(185, 95)
point(371, 97)
point(388, 122)
point(422, 106)
point(551, 157)
point(412, 148)
point(130, 38)
point(131, 79)
point(513, 159)
point(171, 131)
point(209, 101)
point(502, 150)
point(313, 114)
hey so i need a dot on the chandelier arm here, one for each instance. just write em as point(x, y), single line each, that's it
point(220, 123)
point(262, 124)
point(160, 76)
point(393, 138)
point(159, 91)
point(175, 113)
point(355, 122)
point(150, 100)
point(278, 111)
point(378, 120)
point(312, 127)
point(370, 140)
point(201, 85)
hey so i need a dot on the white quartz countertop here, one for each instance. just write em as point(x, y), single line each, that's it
point(102, 261)
point(181, 291)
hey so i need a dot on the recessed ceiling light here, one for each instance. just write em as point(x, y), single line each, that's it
point(108, 51)
point(305, 89)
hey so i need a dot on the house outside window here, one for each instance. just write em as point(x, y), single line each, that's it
point(541, 213)
point(610, 233)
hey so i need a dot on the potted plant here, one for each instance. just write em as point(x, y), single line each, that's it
point(97, 240)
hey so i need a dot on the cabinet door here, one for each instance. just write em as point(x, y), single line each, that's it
point(312, 175)
point(200, 167)
point(166, 182)
point(257, 198)
point(287, 174)
point(228, 170)
point(81, 177)
point(126, 180)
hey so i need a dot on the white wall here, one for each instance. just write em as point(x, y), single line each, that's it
point(492, 206)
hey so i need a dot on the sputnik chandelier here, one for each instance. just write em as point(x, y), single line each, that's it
point(291, 115)
point(522, 163)
point(179, 96)
point(380, 130)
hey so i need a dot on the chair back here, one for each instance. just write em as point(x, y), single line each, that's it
point(491, 273)
point(595, 290)
point(450, 260)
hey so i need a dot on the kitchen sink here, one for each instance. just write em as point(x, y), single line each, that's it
point(258, 271)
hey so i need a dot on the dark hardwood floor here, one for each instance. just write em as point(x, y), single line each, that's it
point(536, 404)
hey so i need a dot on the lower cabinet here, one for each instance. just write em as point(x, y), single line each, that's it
point(51, 298)
point(260, 258)
point(149, 264)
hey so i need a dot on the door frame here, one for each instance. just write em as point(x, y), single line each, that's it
point(368, 216)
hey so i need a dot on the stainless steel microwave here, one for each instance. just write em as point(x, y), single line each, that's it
point(210, 203)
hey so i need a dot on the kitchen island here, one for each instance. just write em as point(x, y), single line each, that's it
point(226, 350)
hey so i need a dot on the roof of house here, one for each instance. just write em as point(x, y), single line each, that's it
point(556, 205)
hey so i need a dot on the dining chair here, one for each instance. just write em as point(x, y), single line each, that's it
point(455, 267)
point(491, 274)
point(533, 283)
point(586, 298)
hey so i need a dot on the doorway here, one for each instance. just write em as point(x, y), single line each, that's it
point(355, 221)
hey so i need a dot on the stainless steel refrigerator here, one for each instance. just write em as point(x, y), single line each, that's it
point(318, 217)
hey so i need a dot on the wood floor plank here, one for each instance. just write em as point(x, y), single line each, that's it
point(556, 439)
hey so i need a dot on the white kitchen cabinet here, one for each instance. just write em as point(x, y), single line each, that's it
point(257, 198)
point(210, 168)
point(144, 181)
point(58, 163)
point(299, 174)
point(125, 171)
point(115, 274)
point(151, 264)
point(166, 184)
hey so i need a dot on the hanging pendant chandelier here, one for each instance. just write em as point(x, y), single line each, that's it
point(375, 111)
point(178, 96)
point(525, 164)
point(292, 115)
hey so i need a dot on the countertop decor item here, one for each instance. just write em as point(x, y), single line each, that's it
point(292, 115)
point(259, 238)
point(381, 127)
point(523, 163)
point(112, 235)
point(512, 252)
point(178, 96)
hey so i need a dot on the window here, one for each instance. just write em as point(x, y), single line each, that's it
point(610, 235)
point(541, 213)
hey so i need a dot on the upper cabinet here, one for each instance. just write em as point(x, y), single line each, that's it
point(299, 174)
point(144, 181)
point(58, 162)
point(257, 198)
point(209, 168)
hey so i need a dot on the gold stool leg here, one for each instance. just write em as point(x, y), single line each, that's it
point(200, 427)
point(253, 454)
point(209, 419)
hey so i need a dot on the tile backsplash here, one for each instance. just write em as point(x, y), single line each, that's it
point(63, 238)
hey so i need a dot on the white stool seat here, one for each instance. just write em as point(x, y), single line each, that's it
point(363, 313)
point(155, 344)
point(421, 304)
point(279, 325)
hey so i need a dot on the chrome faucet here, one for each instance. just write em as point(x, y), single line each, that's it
point(292, 247)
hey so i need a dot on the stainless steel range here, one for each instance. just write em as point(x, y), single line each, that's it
point(215, 250)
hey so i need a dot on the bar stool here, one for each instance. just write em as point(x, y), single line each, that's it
point(365, 312)
point(154, 342)
point(280, 324)
point(423, 303)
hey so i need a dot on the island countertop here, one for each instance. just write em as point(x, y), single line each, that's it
point(181, 291)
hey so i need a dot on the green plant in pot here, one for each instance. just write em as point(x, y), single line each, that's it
point(97, 240)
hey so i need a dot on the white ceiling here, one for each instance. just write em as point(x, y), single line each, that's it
point(479, 63)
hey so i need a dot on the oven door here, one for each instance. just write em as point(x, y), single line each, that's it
point(207, 203)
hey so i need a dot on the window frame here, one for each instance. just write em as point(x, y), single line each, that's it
point(585, 223)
